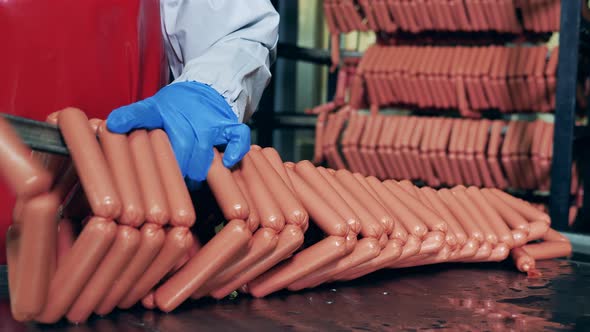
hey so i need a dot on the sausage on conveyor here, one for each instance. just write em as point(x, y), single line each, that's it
point(396, 230)
point(182, 211)
point(226, 191)
point(24, 176)
point(124, 246)
point(305, 262)
point(264, 201)
point(322, 212)
point(319, 186)
point(219, 251)
point(365, 250)
point(178, 242)
point(261, 244)
point(65, 240)
point(511, 217)
point(291, 208)
point(69, 279)
point(471, 229)
point(148, 301)
point(118, 156)
point(492, 217)
point(253, 220)
point(277, 163)
point(156, 206)
point(290, 239)
point(37, 253)
point(387, 256)
point(470, 206)
point(90, 163)
point(523, 261)
point(152, 240)
point(439, 206)
point(522, 207)
point(370, 227)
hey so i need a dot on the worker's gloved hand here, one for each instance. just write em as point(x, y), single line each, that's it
point(196, 118)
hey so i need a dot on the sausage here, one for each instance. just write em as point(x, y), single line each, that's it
point(439, 206)
point(395, 229)
point(124, 246)
point(510, 216)
point(433, 221)
point(321, 187)
point(118, 156)
point(537, 230)
point(13, 241)
point(226, 191)
point(475, 212)
point(253, 220)
point(370, 227)
point(152, 240)
point(69, 279)
point(37, 254)
point(290, 239)
point(65, 184)
point(387, 256)
point(351, 184)
point(365, 250)
point(471, 229)
point(220, 250)
point(156, 206)
point(261, 244)
point(24, 176)
point(410, 249)
point(182, 211)
point(192, 251)
point(275, 160)
point(148, 301)
point(264, 201)
point(90, 163)
point(483, 253)
point(178, 242)
point(548, 249)
point(65, 240)
point(291, 208)
point(492, 217)
point(499, 253)
point(432, 242)
point(522, 207)
point(523, 261)
point(411, 222)
point(305, 262)
point(324, 215)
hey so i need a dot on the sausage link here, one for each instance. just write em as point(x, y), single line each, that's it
point(395, 229)
point(290, 239)
point(308, 172)
point(387, 256)
point(24, 176)
point(253, 217)
point(178, 242)
point(264, 201)
point(182, 211)
point(471, 229)
point(156, 206)
point(499, 253)
point(475, 212)
point(262, 243)
point(432, 242)
point(148, 301)
point(226, 191)
point(220, 250)
point(152, 240)
point(118, 156)
point(124, 246)
point(537, 230)
point(439, 206)
point(522, 207)
point(90, 163)
point(305, 262)
point(275, 160)
point(65, 240)
point(321, 212)
point(37, 254)
point(492, 217)
point(510, 216)
point(548, 249)
point(523, 261)
point(69, 279)
point(292, 209)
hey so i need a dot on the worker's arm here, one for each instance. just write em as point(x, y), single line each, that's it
point(221, 51)
point(227, 44)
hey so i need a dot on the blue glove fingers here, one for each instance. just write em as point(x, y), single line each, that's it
point(238, 145)
point(141, 114)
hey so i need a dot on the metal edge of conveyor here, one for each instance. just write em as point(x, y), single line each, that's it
point(580, 242)
point(40, 136)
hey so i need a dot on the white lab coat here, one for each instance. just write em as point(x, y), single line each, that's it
point(227, 44)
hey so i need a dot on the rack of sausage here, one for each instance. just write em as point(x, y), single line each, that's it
point(287, 225)
point(416, 16)
point(449, 151)
point(470, 79)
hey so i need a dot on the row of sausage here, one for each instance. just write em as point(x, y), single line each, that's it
point(470, 79)
point(450, 151)
point(363, 224)
point(343, 16)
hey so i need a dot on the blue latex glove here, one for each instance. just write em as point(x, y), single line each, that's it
point(196, 118)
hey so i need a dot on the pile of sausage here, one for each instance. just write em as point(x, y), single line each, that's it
point(287, 225)
point(470, 79)
point(416, 16)
point(449, 151)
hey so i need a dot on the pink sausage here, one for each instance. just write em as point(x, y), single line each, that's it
point(118, 155)
point(275, 160)
point(253, 218)
point(524, 262)
point(65, 240)
point(90, 163)
point(156, 206)
point(226, 191)
point(522, 207)
point(182, 212)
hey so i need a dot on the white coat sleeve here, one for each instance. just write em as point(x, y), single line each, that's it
point(227, 44)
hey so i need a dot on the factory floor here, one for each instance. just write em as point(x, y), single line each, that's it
point(477, 297)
